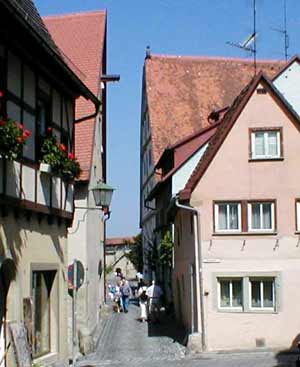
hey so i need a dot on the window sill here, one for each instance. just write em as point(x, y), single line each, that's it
point(265, 159)
point(220, 310)
point(228, 234)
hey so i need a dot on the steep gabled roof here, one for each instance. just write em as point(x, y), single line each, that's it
point(183, 91)
point(81, 38)
point(228, 122)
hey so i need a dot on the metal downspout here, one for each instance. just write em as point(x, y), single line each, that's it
point(198, 269)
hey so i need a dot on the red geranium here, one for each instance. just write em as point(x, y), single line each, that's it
point(62, 147)
point(71, 156)
point(20, 139)
point(26, 134)
point(21, 126)
point(2, 122)
point(1, 94)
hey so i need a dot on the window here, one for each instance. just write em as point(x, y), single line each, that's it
point(261, 216)
point(227, 217)
point(41, 289)
point(266, 144)
point(43, 121)
point(247, 292)
point(262, 293)
point(230, 293)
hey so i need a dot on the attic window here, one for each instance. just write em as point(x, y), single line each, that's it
point(261, 91)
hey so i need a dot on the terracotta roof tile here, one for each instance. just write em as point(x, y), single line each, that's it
point(183, 91)
point(81, 38)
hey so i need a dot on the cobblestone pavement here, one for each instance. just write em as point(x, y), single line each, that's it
point(126, 341)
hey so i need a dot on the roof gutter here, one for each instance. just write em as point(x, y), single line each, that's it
point(88, 117)
point(81, 86)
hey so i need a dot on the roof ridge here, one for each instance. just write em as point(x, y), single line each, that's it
point(77, 14)
point(210, 58)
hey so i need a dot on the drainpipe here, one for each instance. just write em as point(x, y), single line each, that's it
point(105, 218)
point(198, 269)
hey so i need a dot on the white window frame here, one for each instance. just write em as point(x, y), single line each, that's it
point(262, 280)
point(230, 280)
point(216, 206)
point(272, 229)
point(266, 146)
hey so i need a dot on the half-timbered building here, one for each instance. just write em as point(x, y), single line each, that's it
point(38, 90)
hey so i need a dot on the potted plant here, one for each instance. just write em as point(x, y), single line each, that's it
point(56, 156)
point(12, 139)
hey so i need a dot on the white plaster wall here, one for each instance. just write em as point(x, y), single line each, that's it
point(288, 83)
point(180, 178)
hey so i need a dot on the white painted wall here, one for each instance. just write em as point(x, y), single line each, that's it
point(288, 84)
point(181, 177)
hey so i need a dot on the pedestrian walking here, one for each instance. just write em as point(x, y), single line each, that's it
point(125, 292)
point(118, 299)
point(143, 299)
point(154, 293)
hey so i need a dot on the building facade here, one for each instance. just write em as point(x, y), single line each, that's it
point(38, 91)
point(82, 38)
point(179, 93)
point(236, 235)
point(116, 249)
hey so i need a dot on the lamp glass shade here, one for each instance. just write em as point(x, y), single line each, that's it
point(103, 194)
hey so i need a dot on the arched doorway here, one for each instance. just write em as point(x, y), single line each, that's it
point(7, 275)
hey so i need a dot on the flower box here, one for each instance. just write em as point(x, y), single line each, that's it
point(45, 168)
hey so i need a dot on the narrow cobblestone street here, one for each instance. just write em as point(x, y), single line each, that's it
point(126, 341)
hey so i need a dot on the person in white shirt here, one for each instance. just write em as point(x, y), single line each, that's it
point(154, 293)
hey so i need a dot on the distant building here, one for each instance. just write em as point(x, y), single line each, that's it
point(115, 256)
point(179, 93)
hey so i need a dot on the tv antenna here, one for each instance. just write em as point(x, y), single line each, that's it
point(249, 44)
point(284, 32)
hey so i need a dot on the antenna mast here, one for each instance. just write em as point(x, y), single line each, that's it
point(249, 44)
point(284, 31)
point(286, 36)
point(254, 32)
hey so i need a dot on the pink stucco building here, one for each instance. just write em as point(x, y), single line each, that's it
point(237, 245)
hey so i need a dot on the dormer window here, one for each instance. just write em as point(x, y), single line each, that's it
point(266, 144)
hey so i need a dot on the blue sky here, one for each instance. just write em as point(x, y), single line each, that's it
point(190, 27)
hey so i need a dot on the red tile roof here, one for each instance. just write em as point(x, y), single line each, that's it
point(117, 241)
point(81, 38)
point(227, 123)
point(183, 91)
